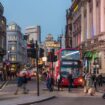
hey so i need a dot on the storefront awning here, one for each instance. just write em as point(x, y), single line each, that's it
point(95, 55)
point(88, 54)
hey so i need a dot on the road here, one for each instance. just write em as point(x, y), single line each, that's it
point(75, 97)
point(73, 101)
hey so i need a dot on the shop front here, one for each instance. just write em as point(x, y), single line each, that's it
point(91, 62)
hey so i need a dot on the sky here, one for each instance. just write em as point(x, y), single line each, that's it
point(49, 14)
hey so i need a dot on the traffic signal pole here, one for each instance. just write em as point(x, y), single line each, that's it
point(52, 61)
point(37, 68)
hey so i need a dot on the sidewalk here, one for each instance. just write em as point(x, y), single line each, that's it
point(2, 83)
point(7, 96)
point(25, 99)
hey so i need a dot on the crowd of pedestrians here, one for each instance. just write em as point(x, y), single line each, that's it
point(91, 85)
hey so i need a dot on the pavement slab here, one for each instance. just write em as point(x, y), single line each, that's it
point(25, 100)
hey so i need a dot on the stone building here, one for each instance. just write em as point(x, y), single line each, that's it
point(33, 33)
point(16, 46)
point(2, 34)
point(88, 32)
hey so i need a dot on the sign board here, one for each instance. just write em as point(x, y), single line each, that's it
point(69, 63)
point(52, 44)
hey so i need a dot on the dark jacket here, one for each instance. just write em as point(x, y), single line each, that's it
point(25, 80)
point(70, 79)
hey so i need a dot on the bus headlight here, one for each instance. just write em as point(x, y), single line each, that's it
point(80, 80)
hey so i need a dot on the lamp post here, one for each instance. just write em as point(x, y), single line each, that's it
point(36, 44)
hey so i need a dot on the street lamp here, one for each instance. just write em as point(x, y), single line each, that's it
point(36, 44)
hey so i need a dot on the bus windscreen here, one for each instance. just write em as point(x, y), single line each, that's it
point(65, 70)
point(70, 55)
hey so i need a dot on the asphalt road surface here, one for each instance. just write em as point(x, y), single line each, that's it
point(73, 101)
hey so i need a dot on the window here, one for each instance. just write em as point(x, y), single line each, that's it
point(13, 57)
point(12, 27)
point(13, 48)
point(70, 55)
point(97, 3)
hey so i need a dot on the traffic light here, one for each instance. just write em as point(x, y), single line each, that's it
point(51, 57)
point(55, 58)
point(41, 52)
point(31, 51)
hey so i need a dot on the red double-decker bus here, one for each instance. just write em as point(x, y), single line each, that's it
point(68, 60)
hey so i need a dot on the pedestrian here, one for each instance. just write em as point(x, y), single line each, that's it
point(70, 80)
point(100, 82)
point(94, 79)
point(25, 81)
point(49, 81)
point(21, 83)
point(59, 81)
point(88, 82)
point(1, 75)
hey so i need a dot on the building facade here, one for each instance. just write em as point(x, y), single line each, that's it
point(2, 34)
point(16, 47)
point(88, 32)
point(68, 33)
point(50, 43)
point(34, 34)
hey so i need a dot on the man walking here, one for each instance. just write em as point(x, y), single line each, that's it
point(94, 80)
point(70, 80)
point(21, 83)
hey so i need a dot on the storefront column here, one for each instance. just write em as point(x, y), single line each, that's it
point(88, 21)
point(102, 17)
point(94, 18)
point(82, 23)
